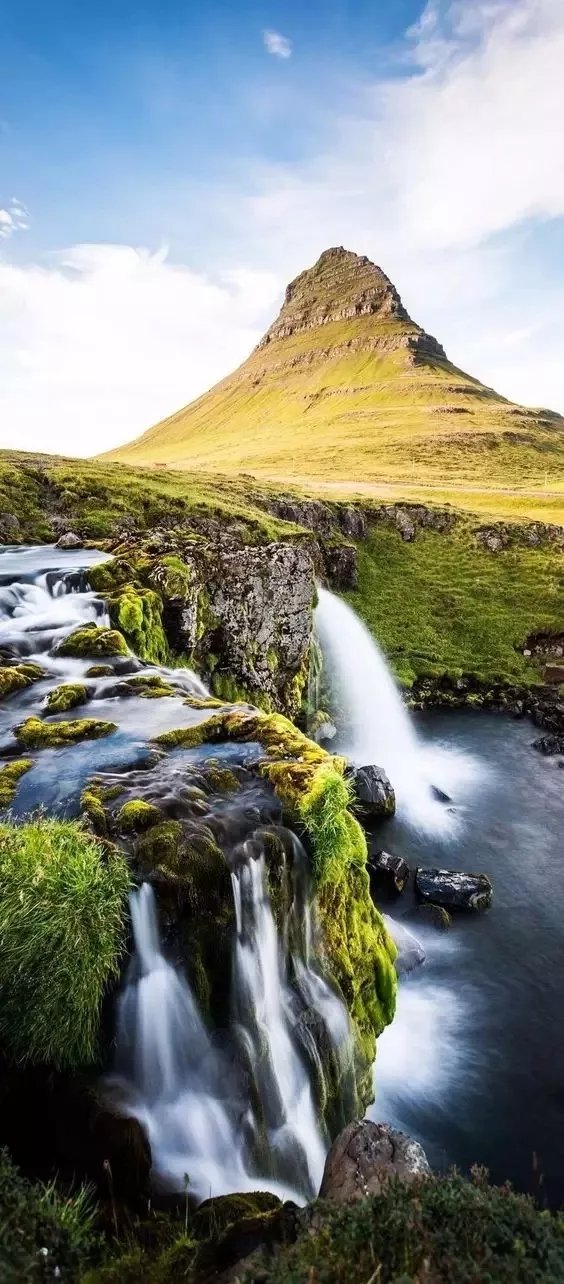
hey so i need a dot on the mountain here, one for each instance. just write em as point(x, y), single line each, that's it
point(345, 386)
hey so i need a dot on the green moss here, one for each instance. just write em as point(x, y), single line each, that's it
point(100, 671)
point(90, 640)
point(150, 686)
point(45, 1233)
point(172, 577)
point(17, 677)
point(35, 734)
point(137, 815)
point(66, 697)
point(137, 613)
point(62, 927)
point(316, 797)
point(445, 1230)
point(221, 779)
point(93, 807)
point(9, 776)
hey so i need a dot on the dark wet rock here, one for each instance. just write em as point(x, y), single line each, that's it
point(366, 1155)
point(440, 795)
point(341, 565)
point(69, 540)
point(245, 1234)
point(549, 745)
point(388, 871)
point(410, 951)
point(434, 915)
point(373, 791)
point(454, 890)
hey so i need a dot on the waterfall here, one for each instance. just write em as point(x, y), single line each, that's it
point(375, 725)
point(241, 1123)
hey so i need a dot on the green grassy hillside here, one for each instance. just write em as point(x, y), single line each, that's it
point(345, 386)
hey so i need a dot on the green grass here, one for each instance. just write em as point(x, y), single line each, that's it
point(442, 604)
point(439, 1231)
point(62, 924)
point(45, 1234)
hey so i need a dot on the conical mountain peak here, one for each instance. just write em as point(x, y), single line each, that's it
point(339, 287)
point(346, 385)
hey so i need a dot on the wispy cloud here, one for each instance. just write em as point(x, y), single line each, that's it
point(13, 218)
point(277, 44)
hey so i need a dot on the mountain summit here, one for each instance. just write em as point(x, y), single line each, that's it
point(345, 386)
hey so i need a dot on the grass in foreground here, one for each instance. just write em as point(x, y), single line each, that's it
point(440, 1231)
point(44, 1234)
point(443, 604)
point(62, 915)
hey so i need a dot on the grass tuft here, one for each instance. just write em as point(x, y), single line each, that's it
point(62, 929)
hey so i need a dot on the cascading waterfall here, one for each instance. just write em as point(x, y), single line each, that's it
point(224, 1130)
point(376, 726)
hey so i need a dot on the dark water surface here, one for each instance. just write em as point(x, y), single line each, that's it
point(474, 1063)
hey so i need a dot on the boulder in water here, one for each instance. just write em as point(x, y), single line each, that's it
point(363, 1158)
point(388, 871)
point(436, 915)
point(454, 890)
point(69, 540)
point(373, 791)
point(410, 951)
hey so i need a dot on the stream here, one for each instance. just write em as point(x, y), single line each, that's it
point(473, 1064)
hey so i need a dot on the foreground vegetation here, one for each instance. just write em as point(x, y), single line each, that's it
point(62, 923)
point(45, 1233)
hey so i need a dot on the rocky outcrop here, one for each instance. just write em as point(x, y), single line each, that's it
point(454, 890)
point(241, 614)
point(372, 790)
point(388, 872)
point(365, 1156)
point(69, 540)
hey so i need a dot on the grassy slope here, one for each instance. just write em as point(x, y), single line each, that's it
point(444, 604)
point(320, 405)
point(438, 604)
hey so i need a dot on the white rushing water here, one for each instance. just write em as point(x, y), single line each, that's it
point(377, 727)
point(182, 1086)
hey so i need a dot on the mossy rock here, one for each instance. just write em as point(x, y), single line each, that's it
point(17, 677)
point(67, 696)
point(100, 671)
point(35, 734)
point(359, 952)
point(9, 777)
point(137, 613)
point(90, 640)
point(137, 815)
point(150, 686)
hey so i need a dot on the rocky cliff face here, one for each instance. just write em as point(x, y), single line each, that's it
point(343, 286)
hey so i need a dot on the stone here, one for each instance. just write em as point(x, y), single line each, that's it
point(388, 871)
point(553, 673)
point(69, 540)
point(373, 790)
point(365, 1156)
point(435, 915)
point(410, 951)
point(341, 565)
point(454, 890)
point(405, 525)
point(549, 745)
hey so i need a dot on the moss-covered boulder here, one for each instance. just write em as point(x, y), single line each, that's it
point(91, 640)
point(10, 774)
point(62, 928)
point(315, 796)
point(35, 734)
point(17, 677)
point(67, 696)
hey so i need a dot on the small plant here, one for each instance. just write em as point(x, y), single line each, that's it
point(62, 919)
point(45, 1234)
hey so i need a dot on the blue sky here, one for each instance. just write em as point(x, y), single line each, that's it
point(165, 169)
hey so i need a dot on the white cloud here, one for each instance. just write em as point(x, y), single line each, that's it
point(13, 218)
point(276, 44)
point(433, 172)
point(106, 339)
